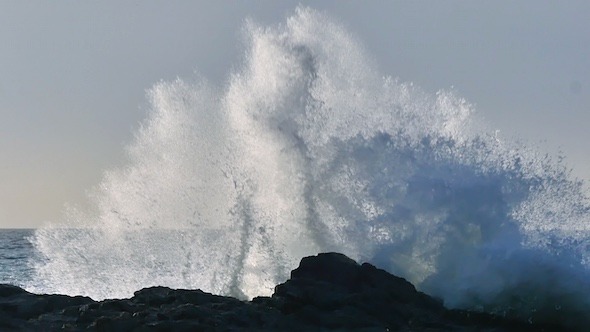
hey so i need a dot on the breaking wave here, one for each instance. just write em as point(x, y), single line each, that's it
point(309, 149)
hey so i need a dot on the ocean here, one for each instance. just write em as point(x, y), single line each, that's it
point(309, 148)
point(16, 253)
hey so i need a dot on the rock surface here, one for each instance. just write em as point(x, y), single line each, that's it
point(328, 292)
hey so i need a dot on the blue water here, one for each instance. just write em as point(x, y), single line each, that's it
point(309, 148)
point(16, 253)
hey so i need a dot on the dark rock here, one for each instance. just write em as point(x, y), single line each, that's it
point(10, 290)
point(327, 292)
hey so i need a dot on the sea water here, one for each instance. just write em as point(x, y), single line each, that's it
point(307, 149)
point(16, 254)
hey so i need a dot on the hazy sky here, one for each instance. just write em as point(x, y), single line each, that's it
point(73, 75)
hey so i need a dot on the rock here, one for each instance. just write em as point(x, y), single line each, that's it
point(327, 292)
point(331, 291)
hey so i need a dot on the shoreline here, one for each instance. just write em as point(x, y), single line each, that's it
point(326, 292)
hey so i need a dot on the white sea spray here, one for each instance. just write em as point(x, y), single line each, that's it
point(308, 149)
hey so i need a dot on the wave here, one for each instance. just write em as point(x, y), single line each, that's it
point(308, 148)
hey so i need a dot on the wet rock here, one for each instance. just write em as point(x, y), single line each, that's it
point(327, 292)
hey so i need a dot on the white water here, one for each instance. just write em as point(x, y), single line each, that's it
point(309, 149)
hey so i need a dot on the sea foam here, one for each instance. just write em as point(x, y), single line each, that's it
point(308, 148)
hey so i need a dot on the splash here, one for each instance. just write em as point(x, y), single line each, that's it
point(308, 149)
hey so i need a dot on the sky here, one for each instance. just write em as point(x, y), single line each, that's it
point(73, 75)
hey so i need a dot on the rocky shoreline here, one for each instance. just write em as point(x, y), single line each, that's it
point(327, 292)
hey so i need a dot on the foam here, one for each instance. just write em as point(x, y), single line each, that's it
point(307, 149)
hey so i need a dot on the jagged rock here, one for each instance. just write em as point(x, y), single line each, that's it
point(327, 292)
point(338, 293)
